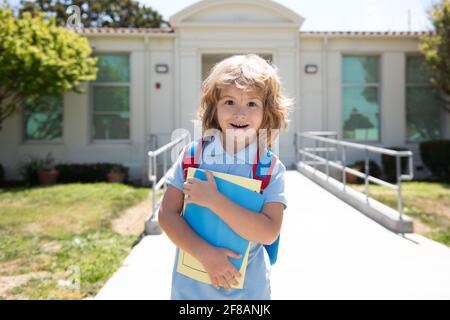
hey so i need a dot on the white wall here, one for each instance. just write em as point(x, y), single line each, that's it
point(76, 145)
point(193, 43)
point(160, 111)
point(321, 97)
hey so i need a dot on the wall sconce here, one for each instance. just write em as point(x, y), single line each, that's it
point(162, 68)
point(311, 68)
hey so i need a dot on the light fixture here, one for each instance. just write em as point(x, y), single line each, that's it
point(162, 68)
point(311, 68)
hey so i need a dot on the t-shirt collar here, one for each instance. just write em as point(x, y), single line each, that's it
point(215, 149)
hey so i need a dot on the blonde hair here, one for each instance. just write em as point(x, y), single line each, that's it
point(249, 73)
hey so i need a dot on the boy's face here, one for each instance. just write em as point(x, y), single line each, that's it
point(239, 113)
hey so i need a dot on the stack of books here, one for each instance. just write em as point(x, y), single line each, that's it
point(243, 191)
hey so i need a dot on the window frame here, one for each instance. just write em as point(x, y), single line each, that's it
point(378, 85)
point(26, 141)
point(419, 85)
point(91, 113)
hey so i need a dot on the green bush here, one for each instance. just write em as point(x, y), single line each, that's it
point(29, 170)
point(390, 166)
point(95, 172)
point(2, 174)
point(374, 169)
point(436, 156)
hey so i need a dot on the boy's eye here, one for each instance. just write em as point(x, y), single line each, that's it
point(250, 104)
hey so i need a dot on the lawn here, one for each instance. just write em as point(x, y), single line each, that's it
point(428, 203)
point(58, 242)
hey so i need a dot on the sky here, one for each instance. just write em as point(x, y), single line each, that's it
point(335, 15)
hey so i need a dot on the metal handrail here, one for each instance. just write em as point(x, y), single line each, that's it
point(156, 185)
point(312, 152)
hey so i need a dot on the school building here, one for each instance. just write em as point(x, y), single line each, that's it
point(369, 87)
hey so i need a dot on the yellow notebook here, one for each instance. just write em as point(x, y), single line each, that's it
point(191, 267)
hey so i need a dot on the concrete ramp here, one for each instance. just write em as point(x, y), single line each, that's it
point(328, 250)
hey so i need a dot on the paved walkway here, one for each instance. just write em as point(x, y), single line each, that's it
point(328, 250)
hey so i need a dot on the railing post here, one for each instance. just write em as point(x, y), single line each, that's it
point(344, 162)
point(151, 225)
point(315, 150)
point(154, 178)
point(302, 147)
point(336, 155)
point(165, 167)
point(399, 187)
point(327, 163)
point(366, 169)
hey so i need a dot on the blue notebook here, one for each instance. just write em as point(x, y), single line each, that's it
point(212, 228)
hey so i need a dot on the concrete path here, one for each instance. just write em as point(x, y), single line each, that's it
point(328, 250)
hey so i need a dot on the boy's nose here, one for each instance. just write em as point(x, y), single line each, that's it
point(240, 112)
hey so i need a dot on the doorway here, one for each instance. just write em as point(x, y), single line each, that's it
point(209, 60)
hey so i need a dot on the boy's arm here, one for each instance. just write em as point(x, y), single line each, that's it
point(176, 227)
point(214, 260)
point(262, 228)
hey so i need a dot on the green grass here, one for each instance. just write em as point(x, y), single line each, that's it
point(428, 202)
point(64, 232)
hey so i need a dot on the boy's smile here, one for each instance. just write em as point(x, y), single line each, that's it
point(239, 126)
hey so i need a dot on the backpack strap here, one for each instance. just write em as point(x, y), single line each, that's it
point(191, 155)
point(262, 170)
point(263, 167)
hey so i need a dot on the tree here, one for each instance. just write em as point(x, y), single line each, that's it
point(436, 49)
point(38, 58)
point(99, 13)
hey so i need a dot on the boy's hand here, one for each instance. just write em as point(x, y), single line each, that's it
point(220, 270)
point(203, 193)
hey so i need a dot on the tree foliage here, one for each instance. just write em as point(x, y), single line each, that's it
point(38, 58)
point(436, 49)
point(98, 13)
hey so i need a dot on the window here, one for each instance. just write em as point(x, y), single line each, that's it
point(43, 119)
point(111, 98)
point(360, 92)
point(423, 114)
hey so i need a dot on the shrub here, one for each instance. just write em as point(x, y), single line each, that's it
point(436, 156)
point(47, 163)
point(2, 174)
point(29, 170)
point(390, 166)
point(374, 169)
point(92, 172)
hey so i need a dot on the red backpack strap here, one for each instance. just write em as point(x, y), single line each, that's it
point(191, 155)
point(263, 167)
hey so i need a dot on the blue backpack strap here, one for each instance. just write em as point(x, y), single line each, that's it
point(262, 170)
